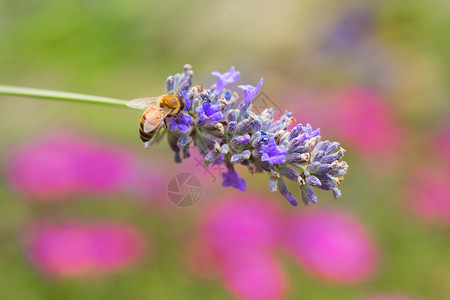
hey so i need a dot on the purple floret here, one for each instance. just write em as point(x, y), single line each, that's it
point(186, 100)
point(224, 79)
point(309, 133)
point(273, 154)
point(231, 178)
point(208, 112)
point(250, 91)
point(182, 123)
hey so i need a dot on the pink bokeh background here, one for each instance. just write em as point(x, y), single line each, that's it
point(76, 249)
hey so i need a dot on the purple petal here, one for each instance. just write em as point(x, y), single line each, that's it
point(250, 91)
point(199, 110)
point(172, 124)
point(186, 100)
point(183, 123)
point(213, 109)
point(273, 154)
point(184, 128)
point(309, 133)
point(224, 79)
point(231, 178)
point(280, 159)
point(215, 117)
point(206, 106)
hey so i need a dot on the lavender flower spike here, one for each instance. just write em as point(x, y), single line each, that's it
point(228, 132)
point(250, 91)
point(224, 79)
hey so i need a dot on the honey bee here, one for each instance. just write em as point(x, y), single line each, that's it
point(157, 109)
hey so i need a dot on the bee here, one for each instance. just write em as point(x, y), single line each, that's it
point(157, 109)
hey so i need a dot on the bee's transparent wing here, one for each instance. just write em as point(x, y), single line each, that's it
point(143, 103)
point(157, 138)
point(154, 117)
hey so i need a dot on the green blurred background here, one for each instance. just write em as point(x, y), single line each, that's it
point(126, 49)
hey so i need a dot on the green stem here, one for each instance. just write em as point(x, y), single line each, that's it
point(55, 95)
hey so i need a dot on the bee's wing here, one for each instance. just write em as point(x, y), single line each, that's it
point(159, 135)
point(153, 118)
point(143, 103)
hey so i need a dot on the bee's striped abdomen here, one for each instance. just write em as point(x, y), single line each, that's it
point(146, 136)
point(151, 122)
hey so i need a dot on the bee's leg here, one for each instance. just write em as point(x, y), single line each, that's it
point(165, 124)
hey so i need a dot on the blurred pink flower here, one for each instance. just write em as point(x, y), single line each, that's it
point(363, 117)
point(67, 163)
point(428, 195)
point(240, 236)
point(149, 182)
point(390, 297)
point(360, 116)
point(211, 175)
point(442, 143)
point(75, 250)
point(257, 276)
point(241, 225)
point(331, 244)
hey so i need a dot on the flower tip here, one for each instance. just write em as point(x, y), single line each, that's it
point(292, 200)
point(231, 178)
